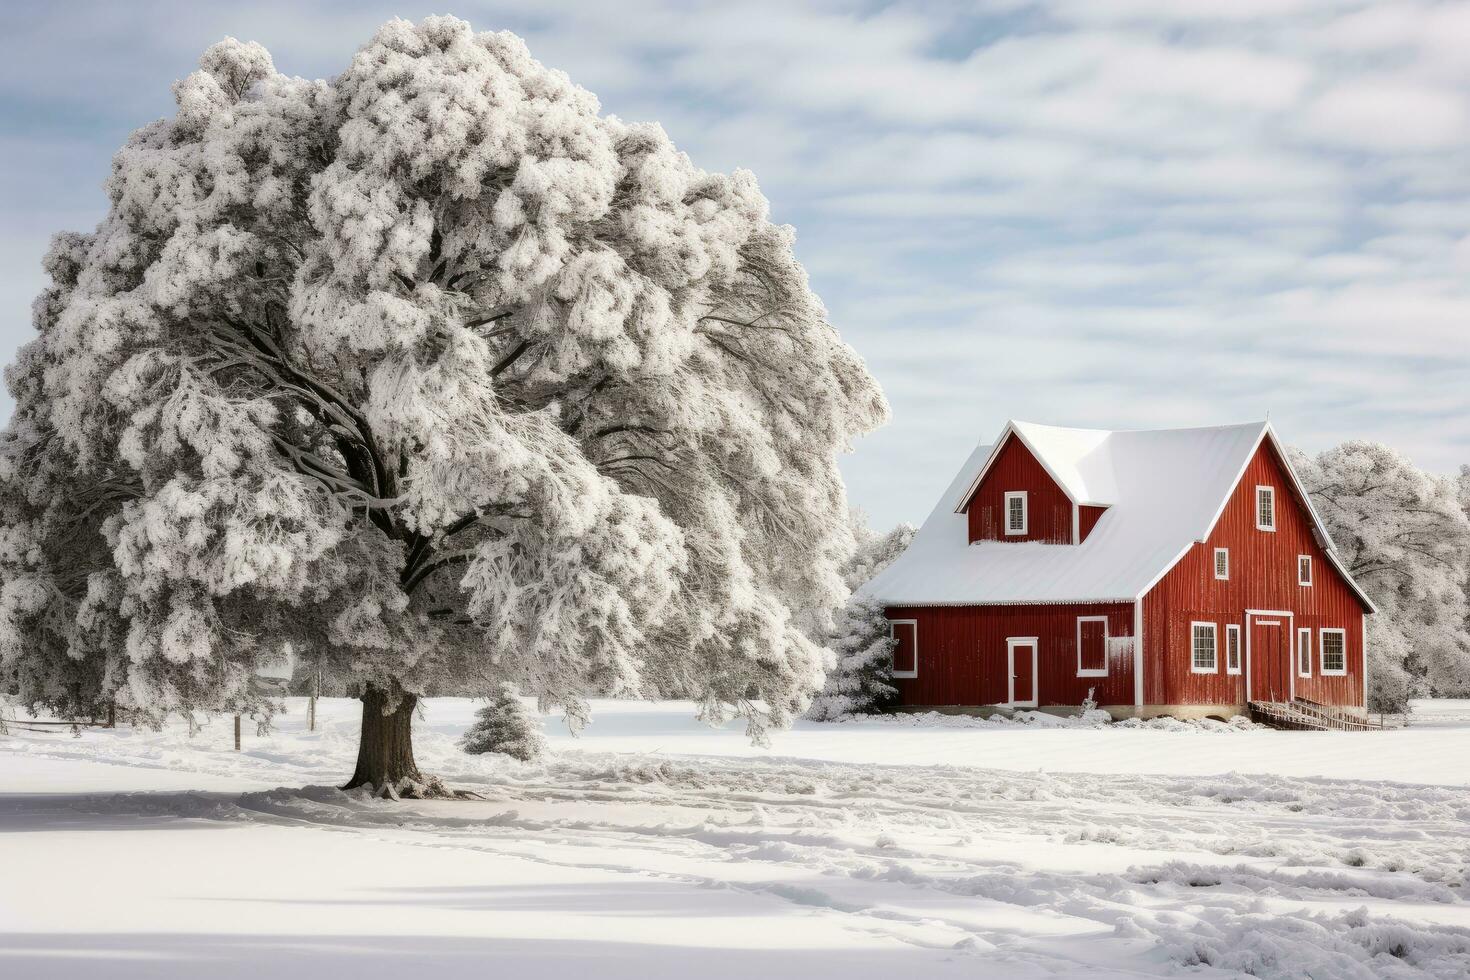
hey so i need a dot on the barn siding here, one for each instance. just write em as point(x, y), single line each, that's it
point(1263, 575)
point(1049, 509)
point(1087, 520)
point(962, 653)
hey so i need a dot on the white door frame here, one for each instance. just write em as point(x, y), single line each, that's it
point(1290, 618)
point(1011, 643)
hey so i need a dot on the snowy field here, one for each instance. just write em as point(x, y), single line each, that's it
point(654, 847)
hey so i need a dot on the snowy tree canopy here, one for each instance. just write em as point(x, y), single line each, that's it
point(874, 551)
point(437, 372)
point(1404, 536)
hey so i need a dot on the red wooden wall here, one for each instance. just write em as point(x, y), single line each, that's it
point(1263, 575)
point(1087, 519)
point(962, 653)
point(1048, 508)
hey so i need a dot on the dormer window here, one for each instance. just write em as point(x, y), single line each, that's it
point(1265, 508)
point(1222, 563)
point(1016, 512)
point(1303, 569)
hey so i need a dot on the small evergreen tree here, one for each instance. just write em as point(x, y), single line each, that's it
point(860, 676)
point(860, 643)
point(505, 726)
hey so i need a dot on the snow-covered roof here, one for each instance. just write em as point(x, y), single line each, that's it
point(1164, 490)
point(1076, 458)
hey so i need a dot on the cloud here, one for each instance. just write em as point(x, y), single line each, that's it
point(1132, 213)
point(1388, 114)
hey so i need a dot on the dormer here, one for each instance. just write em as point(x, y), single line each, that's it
point(1020, 496)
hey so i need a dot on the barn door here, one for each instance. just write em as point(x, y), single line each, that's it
point(1269, 654)
point(1021, 655)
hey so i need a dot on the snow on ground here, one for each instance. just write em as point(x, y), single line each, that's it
point(654, 847)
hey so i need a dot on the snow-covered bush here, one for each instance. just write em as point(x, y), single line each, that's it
point(505, 726)
point(859, 643)
point(435, 371)
point(1405, 537)
point(860, 676)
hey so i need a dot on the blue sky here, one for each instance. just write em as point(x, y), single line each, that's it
point(1122, 213)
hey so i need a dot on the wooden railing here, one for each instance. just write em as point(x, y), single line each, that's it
point(1304, 714)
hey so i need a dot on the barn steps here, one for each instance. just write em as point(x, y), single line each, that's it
point(1303, 714)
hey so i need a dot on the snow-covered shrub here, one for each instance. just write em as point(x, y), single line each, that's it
point(859, 654)
point(1089, 713)
point(505, 726)
point(860, 674)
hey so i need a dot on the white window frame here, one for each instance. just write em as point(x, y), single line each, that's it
point(905, 674)
point(1271, 492)
point(1304, 651)
point(1092, 672)
point(1322, 663)
point(1303, 561)
point(1025, 512)
point(1225, 554)
point(1232, 630)
point(1214, 667)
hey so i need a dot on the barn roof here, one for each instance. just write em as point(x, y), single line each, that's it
point(1164, 489)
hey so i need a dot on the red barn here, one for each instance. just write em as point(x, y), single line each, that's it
point(1173, 572)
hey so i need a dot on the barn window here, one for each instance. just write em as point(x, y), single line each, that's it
point(1304, 652)
point(905, 633)
point(1332, 652)
point(1232, 649)
point(1016, 512)
point(1204, 660)
point(1222, 563)
point(1092, 646)
point(1303, 569)
point(1266, 508)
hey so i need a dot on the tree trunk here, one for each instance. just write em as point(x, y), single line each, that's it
point(385, 749)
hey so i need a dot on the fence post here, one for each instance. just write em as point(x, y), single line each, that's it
point(237, 733)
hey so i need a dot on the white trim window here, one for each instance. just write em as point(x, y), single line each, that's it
point(1203, 648)
point(896, 629)
point(1016, 516)
point(1232, 648)
point(1304, 651)
point(1332, 652)
point(1265, 508)
point(1303, 569)
point(1222, 564)
point(1092, 646)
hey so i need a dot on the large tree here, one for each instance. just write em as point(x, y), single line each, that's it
point(1405, 537)
point(435, 372)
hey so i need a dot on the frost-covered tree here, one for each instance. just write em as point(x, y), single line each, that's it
point(436, 372)
point(859, 644)
point(873, 551)
point(1405, 538)
point(505, 726)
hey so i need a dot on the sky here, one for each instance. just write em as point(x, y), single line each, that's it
point(1109, 213)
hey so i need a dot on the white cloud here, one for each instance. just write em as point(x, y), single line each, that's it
point(1388, 114)
point(1133, 212)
